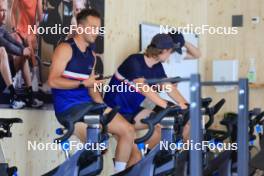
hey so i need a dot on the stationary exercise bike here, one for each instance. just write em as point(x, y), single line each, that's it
point(224, 163)
point(162, 161)
point(256, 163)
point(86, 162)
point(5, 126)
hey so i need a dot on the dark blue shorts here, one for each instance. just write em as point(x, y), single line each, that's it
point(130, 117)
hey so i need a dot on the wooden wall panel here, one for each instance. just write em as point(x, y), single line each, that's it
point(122, 38)
point(247, 44)
point(124, 16)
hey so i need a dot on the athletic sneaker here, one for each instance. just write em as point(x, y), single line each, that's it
point(34, 103)
point(17, 104)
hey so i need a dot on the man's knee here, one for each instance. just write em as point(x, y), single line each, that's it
point(127, 131)
point(80, 131)
point(157, 130)
point(2, 50)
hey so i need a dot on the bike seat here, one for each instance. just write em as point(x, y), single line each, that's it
point(206, 101)
point(81, 116)
point(216, 134)
point(229, 119)
point(8, 122)
point(77, 116)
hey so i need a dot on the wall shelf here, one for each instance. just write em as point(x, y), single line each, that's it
point(256, 85)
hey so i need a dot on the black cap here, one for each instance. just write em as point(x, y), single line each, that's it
point(178, 40)
point(162, 41)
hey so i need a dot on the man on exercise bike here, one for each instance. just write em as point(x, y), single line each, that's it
point(131, 75)
point(72, 80)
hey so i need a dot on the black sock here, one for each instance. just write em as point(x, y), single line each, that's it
point(29, 93)
point(148, 150)
point(12, 92)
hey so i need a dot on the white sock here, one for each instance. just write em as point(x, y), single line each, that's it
point(120, 166)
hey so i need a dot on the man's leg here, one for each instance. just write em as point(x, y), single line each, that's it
point(186, 132)
point(125, 135)
point(4, 67)
point(153, 141)
point(21, 63)
point(33, 45)
point(6, 74)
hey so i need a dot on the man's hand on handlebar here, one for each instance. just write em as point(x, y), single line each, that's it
point(93, 81)
point(183, 105)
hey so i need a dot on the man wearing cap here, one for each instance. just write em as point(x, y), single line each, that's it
point(191, 52)
point(131, 75)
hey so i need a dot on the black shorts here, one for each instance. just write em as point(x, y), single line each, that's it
point(130, 117)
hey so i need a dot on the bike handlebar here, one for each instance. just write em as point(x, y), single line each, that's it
point(154, 119)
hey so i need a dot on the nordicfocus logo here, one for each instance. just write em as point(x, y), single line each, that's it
point(58, 29)
point(200, 30)
point(71, 145)
point(133, 87)
point(190, 145)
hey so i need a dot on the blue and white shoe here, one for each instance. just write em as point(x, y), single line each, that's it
point(17, 104)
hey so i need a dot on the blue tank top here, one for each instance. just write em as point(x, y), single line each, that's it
point(78, 68)
point(129, 98)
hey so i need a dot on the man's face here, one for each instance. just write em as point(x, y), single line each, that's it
point(91, 28)
point(164, 56)
point(3, 8)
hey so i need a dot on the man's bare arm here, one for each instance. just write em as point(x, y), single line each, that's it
point(39, 12)
point(14, 13)
point(151, 94)
point(176, 95)
point(192, 51)
point(60, 59)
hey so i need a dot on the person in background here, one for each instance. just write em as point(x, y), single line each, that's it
point(8, 65)
point(26, 13)
point(78, 6)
